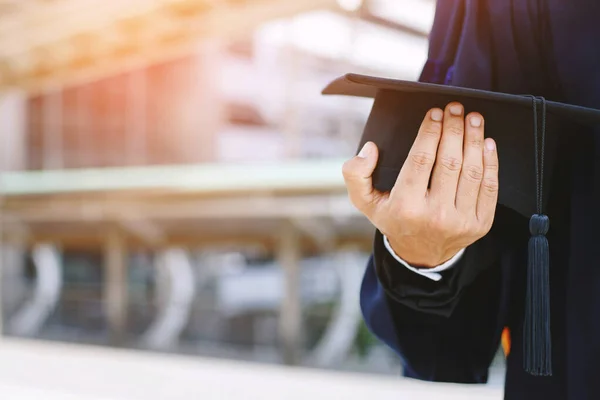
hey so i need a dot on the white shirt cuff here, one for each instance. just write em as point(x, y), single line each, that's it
point(431, 273)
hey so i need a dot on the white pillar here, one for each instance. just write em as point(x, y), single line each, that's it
point(176, 286)
point(336, 342)
point(31, 316)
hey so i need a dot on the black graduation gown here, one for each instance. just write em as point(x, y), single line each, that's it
point(450, 330)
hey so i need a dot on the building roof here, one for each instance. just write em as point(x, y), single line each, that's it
point(183, 205)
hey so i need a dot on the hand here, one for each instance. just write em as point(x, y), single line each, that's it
point(428, 226)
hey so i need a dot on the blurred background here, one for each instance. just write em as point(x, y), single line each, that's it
point(170, 180)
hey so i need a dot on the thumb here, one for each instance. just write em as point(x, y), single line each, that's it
point(358, 173)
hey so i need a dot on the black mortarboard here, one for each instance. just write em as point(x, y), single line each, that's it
point(526, 130)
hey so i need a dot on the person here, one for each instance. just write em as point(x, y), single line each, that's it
point(446, 279)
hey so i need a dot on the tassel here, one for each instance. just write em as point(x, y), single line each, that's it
point(536, 332)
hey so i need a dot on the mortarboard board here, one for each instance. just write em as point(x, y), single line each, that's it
point(526, 130)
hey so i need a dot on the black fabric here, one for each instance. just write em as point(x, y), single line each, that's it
point(441, 298)
point(546, 48)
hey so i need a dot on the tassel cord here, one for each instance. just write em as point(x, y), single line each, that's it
point(536, 332)
point(539, 158)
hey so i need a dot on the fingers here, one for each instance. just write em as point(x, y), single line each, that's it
point(416, 171)
point(471, 174)
point(488, 193)
point(444, 180)
point(358, 173)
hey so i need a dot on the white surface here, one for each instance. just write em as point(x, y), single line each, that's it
point(362, 44)
point(31, 316)
point(417, 14)
point(33, 370)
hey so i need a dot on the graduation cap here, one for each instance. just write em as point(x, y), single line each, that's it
point(526, 130)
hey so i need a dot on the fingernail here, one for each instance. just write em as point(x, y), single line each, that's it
point(490, 145)
point(437, 115)
point(475, 122)
point(456, 109)
point(364, 152)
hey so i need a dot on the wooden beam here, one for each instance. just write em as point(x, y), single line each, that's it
point(144, 230)
point(319, 230)
point(77, 240)
point(256, 207)
point(290, 317)
point(89, 241)
point(115, 297)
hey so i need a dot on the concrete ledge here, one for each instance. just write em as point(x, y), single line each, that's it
point(34, 370)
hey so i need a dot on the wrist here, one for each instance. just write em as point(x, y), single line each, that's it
point(420, 258)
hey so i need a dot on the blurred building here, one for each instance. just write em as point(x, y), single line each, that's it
point(171, 174)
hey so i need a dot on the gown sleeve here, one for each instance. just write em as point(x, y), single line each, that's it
point(445, 331)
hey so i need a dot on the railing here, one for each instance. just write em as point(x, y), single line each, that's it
point(209, 321)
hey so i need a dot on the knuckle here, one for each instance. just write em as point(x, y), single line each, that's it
point(422, 160)
point(482, 229)
point(404, 209)
point(470, 229)
point(454, 130)
point(450, 163)
point(473, 173)
point(492, 167)
point(463, 231)
point(432, 129)
point(440, 221)
point(490, 185)
point(477, 228)
point(408, 215)
point(475, 141)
